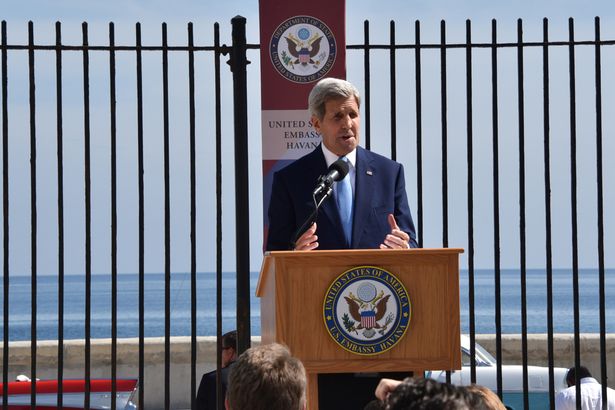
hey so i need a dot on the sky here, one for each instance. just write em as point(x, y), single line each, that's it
point(203, 14)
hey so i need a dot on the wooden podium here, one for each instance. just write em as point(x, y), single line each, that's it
point(293, 285)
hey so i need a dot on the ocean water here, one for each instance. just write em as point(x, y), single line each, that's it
point(536, 301)
point(20, 314)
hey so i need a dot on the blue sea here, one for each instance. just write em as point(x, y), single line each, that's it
point(20, 314)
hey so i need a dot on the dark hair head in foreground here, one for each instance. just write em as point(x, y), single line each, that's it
point(429, 394)
point(267, 378)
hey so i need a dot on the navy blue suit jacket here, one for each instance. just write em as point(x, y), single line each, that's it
point(206, 395)
point(379, 191)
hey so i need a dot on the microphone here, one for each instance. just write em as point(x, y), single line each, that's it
point(336, 172)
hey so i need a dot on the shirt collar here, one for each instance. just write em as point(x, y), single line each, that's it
point(330, 157)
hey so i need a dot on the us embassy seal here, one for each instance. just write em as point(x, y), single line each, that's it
point(302, 49)
point(366, 310)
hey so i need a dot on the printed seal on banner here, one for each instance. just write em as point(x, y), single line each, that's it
point(367, 310)
point(303, 49)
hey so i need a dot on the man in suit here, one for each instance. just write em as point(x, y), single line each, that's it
point(206, 395)
point(379, 215)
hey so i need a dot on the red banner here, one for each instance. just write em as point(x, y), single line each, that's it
point(301, 42)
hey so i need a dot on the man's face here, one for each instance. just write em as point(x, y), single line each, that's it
point(340, 126)
point(228, 355)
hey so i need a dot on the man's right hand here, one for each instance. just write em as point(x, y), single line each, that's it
point(308, 240)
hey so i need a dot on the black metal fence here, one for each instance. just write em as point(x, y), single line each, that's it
point(450, 187)
point(238, 58)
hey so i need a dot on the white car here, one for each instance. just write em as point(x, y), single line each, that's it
point(512, 378)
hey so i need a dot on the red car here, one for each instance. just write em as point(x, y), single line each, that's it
point(73, 394)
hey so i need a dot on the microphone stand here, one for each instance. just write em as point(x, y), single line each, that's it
point(312, 218)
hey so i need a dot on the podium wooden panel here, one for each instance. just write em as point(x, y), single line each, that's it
point(292, 286)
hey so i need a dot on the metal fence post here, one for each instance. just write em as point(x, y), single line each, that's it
point(238, 63)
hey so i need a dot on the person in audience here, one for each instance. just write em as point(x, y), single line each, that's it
point(591, 392)
point(267, 377)
point(374, 405)
point(426, 394)
point(490, 399)
point(206, 396)
point(385, 387)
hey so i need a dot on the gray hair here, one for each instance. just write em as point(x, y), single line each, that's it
point(327, 89)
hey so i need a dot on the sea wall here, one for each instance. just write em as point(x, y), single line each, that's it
point(128, 360)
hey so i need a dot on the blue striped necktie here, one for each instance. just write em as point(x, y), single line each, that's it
point(344, 204)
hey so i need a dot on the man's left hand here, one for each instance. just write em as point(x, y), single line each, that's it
point(397, 239)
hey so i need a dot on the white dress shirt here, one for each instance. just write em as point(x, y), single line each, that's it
point(591, 396)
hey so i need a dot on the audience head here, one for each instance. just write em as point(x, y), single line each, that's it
point(375, 405)
point(429, 394)
point(266, 377)
point(229, 348)
point(571, 376)
point(490, 400)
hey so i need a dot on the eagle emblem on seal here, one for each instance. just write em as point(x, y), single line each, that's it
point(303, 51)
point(367, 309)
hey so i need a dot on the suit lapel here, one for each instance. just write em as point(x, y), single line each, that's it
point(363, 200)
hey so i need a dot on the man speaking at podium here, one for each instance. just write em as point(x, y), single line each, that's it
point(369, 207)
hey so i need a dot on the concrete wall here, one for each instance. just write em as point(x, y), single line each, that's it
point(128, 357)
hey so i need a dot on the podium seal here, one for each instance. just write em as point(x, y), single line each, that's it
point(366, 310)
